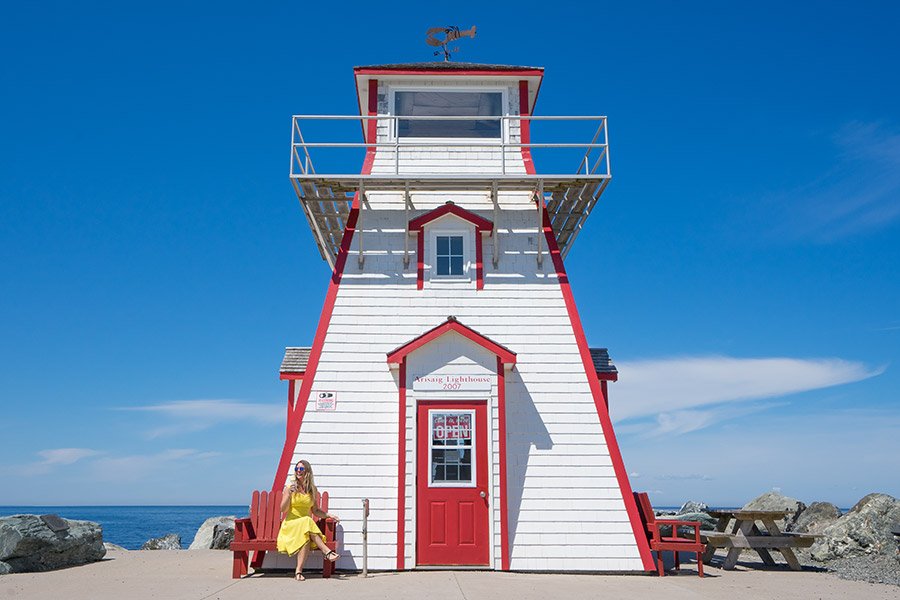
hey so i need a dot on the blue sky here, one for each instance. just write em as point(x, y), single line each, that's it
point(742, 268)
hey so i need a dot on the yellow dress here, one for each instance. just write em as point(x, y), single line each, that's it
point(297, 525)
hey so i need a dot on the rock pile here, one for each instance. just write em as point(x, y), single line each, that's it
point(857, 545)
point(864, 530)
point(43, 543)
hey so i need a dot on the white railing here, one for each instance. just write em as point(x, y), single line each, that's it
point(593, 163)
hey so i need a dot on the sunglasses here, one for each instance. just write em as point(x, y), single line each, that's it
point(299, 469)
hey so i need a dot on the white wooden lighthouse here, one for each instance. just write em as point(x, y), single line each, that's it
point(450, 380)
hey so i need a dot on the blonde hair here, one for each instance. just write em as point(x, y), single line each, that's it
point(310, 479)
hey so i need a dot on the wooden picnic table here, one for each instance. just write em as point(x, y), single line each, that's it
point(746, 534)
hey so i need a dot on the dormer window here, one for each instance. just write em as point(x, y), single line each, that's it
point(453, 237)
point(449, 104)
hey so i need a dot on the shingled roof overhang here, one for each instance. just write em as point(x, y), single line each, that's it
point(293, 365)
point(603, 365)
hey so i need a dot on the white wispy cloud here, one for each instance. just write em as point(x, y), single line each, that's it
point(65, 456)
point(674, 396)
point(860, 192)
point(667, 385)
point(186, 416)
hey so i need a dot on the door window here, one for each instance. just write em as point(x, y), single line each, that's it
point(451, 439)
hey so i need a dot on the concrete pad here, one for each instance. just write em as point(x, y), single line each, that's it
point(206, 574)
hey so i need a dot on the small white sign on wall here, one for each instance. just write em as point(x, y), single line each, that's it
point(326, 401)
point(453, 383)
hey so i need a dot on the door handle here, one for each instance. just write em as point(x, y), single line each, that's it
point(483, 494)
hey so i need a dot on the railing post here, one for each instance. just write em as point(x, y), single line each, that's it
point(540, 207)
point(496, 200)
point(406, 202)
point(359, 223)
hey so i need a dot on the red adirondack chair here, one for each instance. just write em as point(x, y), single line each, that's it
point(258, 532)
point(660, 543)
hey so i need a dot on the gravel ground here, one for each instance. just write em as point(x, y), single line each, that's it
point(877, 568)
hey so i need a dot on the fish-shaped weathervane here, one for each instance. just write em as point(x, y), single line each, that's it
point(451, 34)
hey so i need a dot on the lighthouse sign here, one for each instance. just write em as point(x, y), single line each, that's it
point(453, 383)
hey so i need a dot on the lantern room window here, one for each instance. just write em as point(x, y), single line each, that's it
point(449, 104)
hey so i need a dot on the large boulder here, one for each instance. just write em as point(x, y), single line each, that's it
point(203, 540)
point(170, 541)
point(777, 501)
point(32, 543)
point(816, 517)
point(864, 530)
point(222, 538)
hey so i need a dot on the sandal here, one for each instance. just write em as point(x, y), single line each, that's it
point(299, 576)
point(332, 556)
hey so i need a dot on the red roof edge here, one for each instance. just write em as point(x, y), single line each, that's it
point(507, 356)
point(480, 222)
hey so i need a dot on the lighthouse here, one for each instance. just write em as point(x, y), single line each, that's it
point(450, 380)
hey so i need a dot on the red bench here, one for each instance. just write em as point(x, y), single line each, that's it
point(258, 532)
point(660, 543)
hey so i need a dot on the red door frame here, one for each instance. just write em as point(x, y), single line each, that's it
point(478, 555)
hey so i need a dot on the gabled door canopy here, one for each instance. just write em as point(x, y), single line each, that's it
point(504, 354)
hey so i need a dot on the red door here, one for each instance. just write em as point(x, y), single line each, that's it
point(452, 484)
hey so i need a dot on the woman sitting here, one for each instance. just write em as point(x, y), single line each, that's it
point(298, 530)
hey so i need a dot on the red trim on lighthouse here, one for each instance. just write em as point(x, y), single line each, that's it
point(290, 402)
point(451, 209)
point(401, 470)
point(290, 376)
point(501, 433)
point(481, 224)
point(296, 418)
point(371, 127)
point(594, 382)
point(456, 72)
point(451, 324)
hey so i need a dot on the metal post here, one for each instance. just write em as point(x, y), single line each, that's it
point(365, 535)
point(540, 207)
point(359, 223)
point(495, 199)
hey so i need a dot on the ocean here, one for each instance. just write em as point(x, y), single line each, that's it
point(131, 526)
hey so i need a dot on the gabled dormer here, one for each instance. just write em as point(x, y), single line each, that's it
point(449, 247)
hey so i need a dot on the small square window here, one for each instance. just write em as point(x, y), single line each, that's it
point(449, 255)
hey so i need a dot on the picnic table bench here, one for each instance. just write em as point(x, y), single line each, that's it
point(258, 532)
point(745, 534)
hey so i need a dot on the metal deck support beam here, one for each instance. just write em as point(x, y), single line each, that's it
point(496, 201)
point(540, 212)
point(406, 201)
point(321, 242)
point(361, 259)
